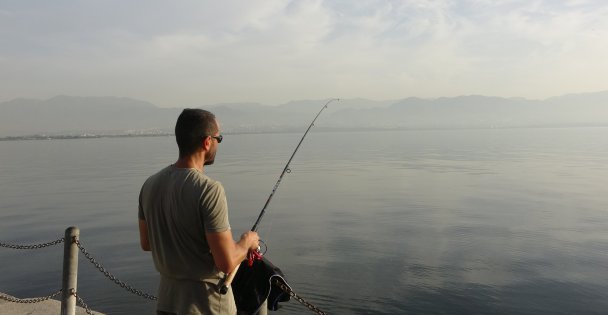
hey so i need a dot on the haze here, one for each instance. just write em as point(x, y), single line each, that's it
point(192, 53)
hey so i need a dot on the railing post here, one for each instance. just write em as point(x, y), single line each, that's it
point(70, 271)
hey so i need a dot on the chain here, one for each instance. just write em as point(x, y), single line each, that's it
point(36, 246)
point(302, 301)
point(112, 277)
point(29, 300)
point(87, 309)
point(122, 284)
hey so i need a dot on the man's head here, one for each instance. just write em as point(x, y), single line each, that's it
point(193, 128)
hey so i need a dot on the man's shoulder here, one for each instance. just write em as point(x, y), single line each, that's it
point(171, 176)
point(154, 177)
point(207, 181)
point(195, 177)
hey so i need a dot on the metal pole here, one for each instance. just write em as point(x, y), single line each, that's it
point(70, 271)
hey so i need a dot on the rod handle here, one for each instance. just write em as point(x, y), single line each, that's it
point(227, 281)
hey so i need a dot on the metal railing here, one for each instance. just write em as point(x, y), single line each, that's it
point(69, 292)
point(69, 282)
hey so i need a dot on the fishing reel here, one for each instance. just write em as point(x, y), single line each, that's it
point(251, 257)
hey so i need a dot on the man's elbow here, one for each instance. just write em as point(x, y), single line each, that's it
point(226, 266)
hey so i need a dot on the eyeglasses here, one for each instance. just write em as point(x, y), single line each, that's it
point(218, 138)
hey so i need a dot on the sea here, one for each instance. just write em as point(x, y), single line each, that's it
point(466, 221)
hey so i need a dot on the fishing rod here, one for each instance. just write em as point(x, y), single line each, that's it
point(286, 169)
point(227, 280)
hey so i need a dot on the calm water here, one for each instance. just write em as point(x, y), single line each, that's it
point(417, 222)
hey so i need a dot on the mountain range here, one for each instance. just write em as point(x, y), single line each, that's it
point(76, 116)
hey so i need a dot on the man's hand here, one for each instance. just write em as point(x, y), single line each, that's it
point(252, 239)
point(227, 253)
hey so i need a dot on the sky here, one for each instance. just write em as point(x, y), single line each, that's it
point(195, 53)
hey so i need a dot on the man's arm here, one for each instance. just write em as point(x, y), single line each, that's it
point(227, 254)
point(143, 236)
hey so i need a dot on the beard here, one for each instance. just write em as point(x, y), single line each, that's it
point(211, 157)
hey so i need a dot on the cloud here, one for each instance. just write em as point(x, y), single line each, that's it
point(197, 52)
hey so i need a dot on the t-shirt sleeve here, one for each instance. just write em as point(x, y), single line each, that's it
point(214, 209)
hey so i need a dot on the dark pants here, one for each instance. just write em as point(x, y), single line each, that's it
point(164, 313)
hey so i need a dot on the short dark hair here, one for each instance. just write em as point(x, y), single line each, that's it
point(192, 125)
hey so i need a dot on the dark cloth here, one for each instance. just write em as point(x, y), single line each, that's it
point(253, 285)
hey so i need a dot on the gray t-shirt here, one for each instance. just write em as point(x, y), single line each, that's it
point(179, 205)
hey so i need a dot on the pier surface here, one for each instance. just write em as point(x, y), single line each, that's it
point(48, 307)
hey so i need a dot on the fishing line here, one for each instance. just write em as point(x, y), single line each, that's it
point(265, 233)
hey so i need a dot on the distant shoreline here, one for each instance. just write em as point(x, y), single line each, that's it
point(286, 131)
point(84, 136)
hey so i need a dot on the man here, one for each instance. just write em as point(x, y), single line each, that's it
point(183, 220)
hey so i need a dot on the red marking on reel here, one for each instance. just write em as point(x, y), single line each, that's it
point(252, 256)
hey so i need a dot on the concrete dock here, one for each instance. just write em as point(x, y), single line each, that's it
point(48, 307)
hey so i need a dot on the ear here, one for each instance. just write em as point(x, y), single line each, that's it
point(206, 143)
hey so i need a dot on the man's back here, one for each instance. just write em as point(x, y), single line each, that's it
point(179, 205)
